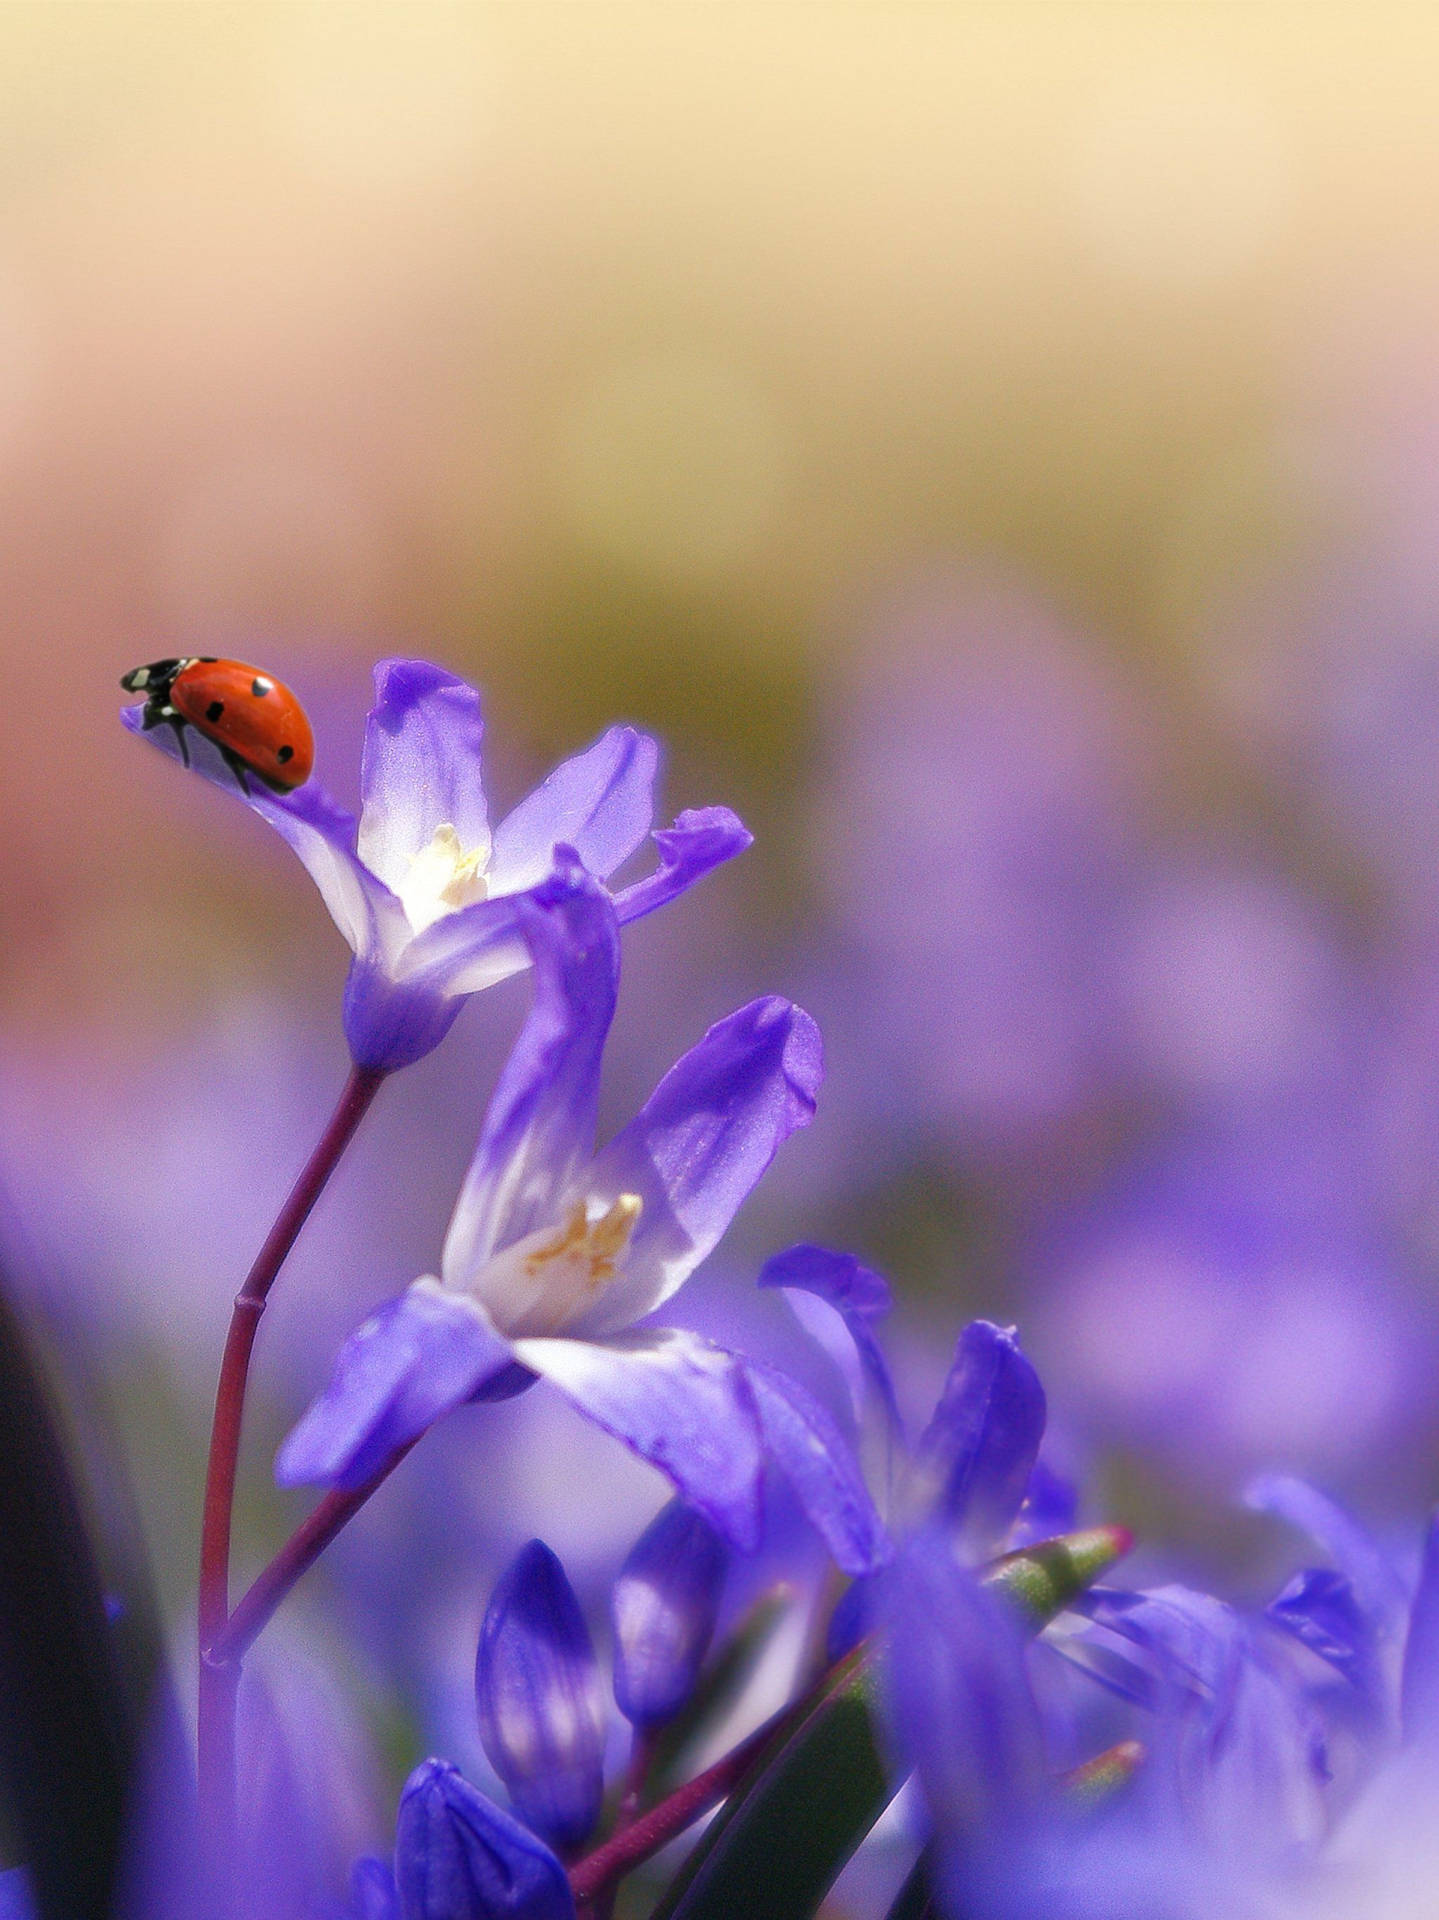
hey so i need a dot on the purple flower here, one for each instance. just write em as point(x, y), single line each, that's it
point(554, 1253)
point(663, 1607)
point(424, 892)
point(460, 1857)
point(971, 1472)
point(537, 1686)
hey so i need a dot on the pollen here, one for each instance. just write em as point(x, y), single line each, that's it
point(590, 1248)
point(442, 877)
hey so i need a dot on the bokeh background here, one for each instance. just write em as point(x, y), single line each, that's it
point(997, 449)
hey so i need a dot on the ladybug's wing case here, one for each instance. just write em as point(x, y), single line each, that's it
point(254, 717)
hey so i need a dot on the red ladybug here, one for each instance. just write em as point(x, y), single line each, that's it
point(258, 724)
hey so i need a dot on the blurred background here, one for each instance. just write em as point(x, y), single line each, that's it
point(996, 448)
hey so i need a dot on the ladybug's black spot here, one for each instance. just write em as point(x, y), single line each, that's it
point(259, 688)
point(282, 754)
point(214, 710)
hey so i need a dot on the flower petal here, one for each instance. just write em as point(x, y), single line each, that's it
point(1377, 1585)
point(421, 767)
point(1318, 1608)
point(415, 1358)
point(959, 1698)
point(1051, 1506)
point(1419, 1692)
point(392, 1021)
point(858, 1294)
point(460, 1857)
point(805, 1444)
point(540, 1123)
point(465, 951)
point(700, 840)
point(679, 1403)
point(701, 1141)
point(600, 803)
point(320, 832)
point(975, 1457)
point(1190, 1639)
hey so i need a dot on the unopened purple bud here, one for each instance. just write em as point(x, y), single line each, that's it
point(542, 1717)
point(372, 1891)
point(460, 1857)
point(664, 1606)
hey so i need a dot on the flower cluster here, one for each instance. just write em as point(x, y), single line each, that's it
point(1049, 1746)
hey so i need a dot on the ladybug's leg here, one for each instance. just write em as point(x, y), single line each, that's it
point(178, 727)
point(237, 767)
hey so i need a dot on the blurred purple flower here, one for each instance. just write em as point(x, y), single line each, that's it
point(663, 1608)
point(423, 892)
point(460, 1857)
point(969, 1475)
point(972, 836)
point(554, 1253)
point(537, 1687)
point(1234, 1296)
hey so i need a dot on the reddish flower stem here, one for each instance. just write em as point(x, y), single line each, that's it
point(632, 1846)
point(219, 1675)
point(257, 1605)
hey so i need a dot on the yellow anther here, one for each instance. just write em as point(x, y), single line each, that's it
point(591, 1245)
point(442, 877)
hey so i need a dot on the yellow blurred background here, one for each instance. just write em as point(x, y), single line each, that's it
point(613, 353)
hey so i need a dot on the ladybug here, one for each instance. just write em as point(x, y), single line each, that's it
point(258, 724)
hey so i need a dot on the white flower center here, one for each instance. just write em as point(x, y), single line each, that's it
point(440, 878)
point(540, 1283)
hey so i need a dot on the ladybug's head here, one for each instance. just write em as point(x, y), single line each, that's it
point(151, 679)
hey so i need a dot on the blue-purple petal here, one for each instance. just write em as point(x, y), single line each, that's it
point(417, 1357)
point(1189, 1638)
point(663, 1608)
point(320, 832)
point(601, 802)
point(537, 1689)
point(959, 1699)
point(808, 1448)
point(1051, 1506)
point(860, 1297)
point(460, 1857)
point(975, 1458)
point(678, 1402)
point(389, 1026)
point(1419, 1690)
point(421, 767)
point(465, 951)
point(1376, 1583)
point(699, 1144)
point(1319, 1609)
point(540, 1123)
point(700, 840)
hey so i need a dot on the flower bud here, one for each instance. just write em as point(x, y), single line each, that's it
point(460, 1857)
point(538, 1692)
point(663, 1607)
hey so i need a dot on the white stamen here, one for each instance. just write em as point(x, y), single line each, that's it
point(441, 877)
